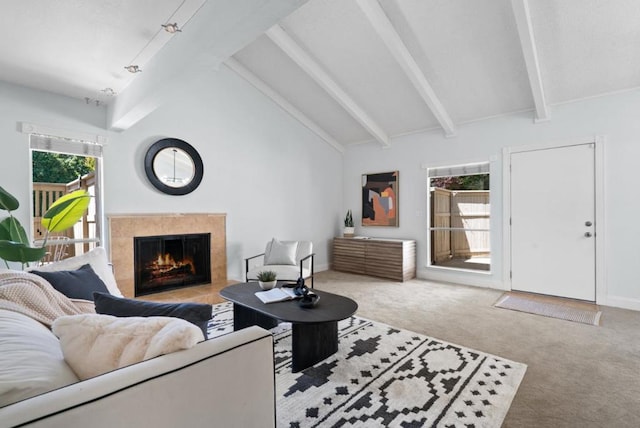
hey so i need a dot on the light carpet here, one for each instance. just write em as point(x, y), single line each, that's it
point(384, 376)
point(533, 306)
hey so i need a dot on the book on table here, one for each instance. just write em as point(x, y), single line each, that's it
point(276, 295)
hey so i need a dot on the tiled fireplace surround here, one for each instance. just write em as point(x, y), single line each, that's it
point(123, 228)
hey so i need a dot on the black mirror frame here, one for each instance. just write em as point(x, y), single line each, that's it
point(182, 145)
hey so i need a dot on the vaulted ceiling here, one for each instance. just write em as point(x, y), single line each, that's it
point(352, 71)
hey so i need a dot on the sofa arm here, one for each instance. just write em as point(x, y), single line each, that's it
point(226, 381)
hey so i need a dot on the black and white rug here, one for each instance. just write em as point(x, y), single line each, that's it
point(388, 377)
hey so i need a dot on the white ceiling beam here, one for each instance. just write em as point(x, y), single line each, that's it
point(530, 53)
point(213, 34)
point(322, 78)
point(385, 29)
point(259, 84)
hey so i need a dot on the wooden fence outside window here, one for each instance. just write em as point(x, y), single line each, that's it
point(460, 224)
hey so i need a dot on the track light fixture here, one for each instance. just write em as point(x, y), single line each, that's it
point(171, 28)
point(108, 92)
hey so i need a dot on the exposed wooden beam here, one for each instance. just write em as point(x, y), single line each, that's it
point(385, 29)
point(259, 84)
point(322, 78)
point(528, 43)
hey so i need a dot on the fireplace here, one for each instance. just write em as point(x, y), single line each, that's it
point(171, 261)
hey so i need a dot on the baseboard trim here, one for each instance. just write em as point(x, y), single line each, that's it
point(622, 302)
point(320, 267)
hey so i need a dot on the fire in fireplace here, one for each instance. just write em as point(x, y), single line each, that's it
point(171, 261)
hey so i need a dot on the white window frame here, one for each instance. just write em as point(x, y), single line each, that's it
point(454, 170)
point(43, 138)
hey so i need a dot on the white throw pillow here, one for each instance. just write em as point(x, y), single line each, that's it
point(93, 344)
point(281, 253)
point(31, 361)
point(97, 258)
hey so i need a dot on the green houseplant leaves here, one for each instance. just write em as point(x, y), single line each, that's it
point(66, 211)
point(18, 252)
point(348, 219)
point(62, 214)
point(7, 201)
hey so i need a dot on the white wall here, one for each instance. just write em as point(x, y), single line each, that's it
point(275, 178)
point(20, 104)
point(614, 116)
point(269, 174)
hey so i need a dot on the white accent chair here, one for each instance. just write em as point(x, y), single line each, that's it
point(290, 260)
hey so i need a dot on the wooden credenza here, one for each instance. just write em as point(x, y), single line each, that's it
point(385, 258)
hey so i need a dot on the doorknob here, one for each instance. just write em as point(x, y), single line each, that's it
point(588, 223)
point(587, 234)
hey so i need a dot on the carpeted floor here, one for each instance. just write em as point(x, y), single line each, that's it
point(578, 375)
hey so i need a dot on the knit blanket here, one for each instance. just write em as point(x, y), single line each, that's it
point(35, 297)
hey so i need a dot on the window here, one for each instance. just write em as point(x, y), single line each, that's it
point(459, 221)
point(60, 166)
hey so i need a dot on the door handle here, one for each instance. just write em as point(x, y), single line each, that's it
point(587, 234)
point(588, 223)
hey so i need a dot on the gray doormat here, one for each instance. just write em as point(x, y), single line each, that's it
point(533, 305)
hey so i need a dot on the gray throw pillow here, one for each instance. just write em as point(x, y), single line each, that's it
point(75, 284)
point(281, 253)
point(196, 313)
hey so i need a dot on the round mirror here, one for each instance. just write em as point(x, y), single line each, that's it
point(173, 166)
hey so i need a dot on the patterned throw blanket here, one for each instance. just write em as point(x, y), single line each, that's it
point(34, 297)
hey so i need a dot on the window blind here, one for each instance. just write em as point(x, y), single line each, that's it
point(458, 170)
point(68, 146)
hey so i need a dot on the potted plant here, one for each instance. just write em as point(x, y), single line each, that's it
point(61, 215)
point(267, 279)
point(349, 230)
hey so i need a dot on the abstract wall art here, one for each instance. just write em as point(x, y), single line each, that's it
point(380, 199)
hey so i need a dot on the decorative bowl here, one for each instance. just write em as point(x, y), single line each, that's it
point(309, 300)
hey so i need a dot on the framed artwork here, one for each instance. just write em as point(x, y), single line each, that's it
point(380, 199)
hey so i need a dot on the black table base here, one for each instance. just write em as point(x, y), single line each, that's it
point(312, 343)
point(244, 317)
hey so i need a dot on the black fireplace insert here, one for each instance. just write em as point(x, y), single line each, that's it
point(171, 261)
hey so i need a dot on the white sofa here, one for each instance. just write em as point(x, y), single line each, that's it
point(226, 381)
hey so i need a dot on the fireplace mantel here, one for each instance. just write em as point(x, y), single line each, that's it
point(124, 227)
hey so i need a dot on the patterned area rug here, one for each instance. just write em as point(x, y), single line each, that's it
point(530, 305)
point(387, 377)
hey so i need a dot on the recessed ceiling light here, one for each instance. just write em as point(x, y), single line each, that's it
point(171, 28)
point(133, 69)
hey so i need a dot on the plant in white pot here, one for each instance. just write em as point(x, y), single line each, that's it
point(349, 230)
point(267, 279)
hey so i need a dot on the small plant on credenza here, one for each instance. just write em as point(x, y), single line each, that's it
point(349, 230)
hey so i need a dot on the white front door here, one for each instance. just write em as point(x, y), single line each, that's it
point(552, 221)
